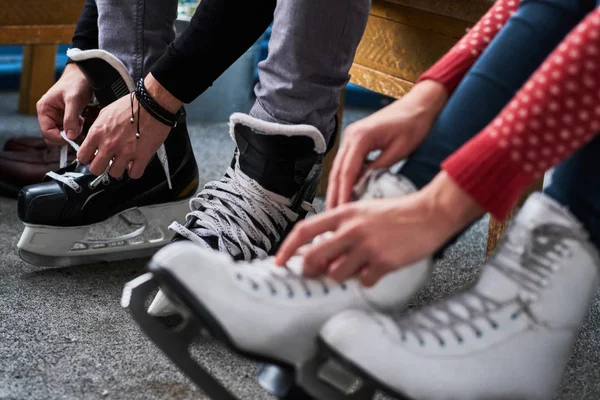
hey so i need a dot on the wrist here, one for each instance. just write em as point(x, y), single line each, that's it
point(430, 97)
point(450, 203)
point(161, 95)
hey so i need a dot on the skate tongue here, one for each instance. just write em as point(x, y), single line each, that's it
point(540, 209)
point(381, 183)
point(239, 121)
point(281, 158)
point(105, 73)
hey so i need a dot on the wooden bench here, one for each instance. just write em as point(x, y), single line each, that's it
point(39, 26)
point(403, 39)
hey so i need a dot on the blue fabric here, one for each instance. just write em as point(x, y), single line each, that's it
point(510, 59)
point(576, 184)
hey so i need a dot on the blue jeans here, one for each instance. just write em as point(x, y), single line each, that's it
point(516, 52)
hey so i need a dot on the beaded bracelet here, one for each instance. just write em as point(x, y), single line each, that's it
point(153, 108)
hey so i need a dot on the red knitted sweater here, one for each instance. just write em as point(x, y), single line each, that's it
point(555, 113)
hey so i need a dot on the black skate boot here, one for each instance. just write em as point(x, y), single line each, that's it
point(69, 218)
point(269, 186)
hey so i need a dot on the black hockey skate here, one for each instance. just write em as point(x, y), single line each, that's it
point(67, 217)
point(268, 188)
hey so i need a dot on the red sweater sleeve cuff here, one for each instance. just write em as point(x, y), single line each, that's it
point(450, 70)
point(485, 170)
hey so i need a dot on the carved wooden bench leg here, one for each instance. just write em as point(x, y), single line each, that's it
point(37, 75)
point(328, 161)
point(496, 228)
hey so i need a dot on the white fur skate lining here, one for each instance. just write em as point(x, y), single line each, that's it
point(82, 55)
point(272, 128)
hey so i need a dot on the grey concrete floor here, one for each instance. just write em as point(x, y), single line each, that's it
point(63, 334)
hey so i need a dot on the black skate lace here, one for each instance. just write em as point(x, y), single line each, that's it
point(527, 256)
point(245, 218)
point(69, 178)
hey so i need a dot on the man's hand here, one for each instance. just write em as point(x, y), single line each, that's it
point(372, 238)
point(396, 130)
point(60, 108)
point(114, 136)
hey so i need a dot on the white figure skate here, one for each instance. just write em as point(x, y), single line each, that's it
point(507, 337)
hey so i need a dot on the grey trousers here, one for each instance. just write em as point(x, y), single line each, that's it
point(311, 49)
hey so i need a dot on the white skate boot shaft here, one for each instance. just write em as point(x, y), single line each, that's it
point(375, 184)
point(509, 336)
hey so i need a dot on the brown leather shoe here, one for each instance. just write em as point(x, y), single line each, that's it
point(22, 168)
point(29, 161)
point(25, 143)
point(35, 143)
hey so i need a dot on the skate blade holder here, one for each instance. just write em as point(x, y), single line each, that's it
point(320, 378)
point(174, 342)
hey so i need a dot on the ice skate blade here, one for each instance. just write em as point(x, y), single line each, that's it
point(173, 342)
point(328, 353)
point(282, 381)
point(53, 246)
point(39, 260)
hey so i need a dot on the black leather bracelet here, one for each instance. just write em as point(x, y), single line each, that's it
point(155, 109)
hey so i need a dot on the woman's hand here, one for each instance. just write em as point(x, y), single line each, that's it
point(114, 136)
point(372, 238)
point(396, 130)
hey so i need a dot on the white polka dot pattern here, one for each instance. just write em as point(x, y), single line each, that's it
point(556, 111)
point(451, 68)
point(491, 23)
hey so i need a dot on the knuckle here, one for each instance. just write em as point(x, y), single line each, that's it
point(301, 228)
point(353, 130)
point(347, 211)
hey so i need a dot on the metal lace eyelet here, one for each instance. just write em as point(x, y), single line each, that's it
point(91, 186)
point(78, 190)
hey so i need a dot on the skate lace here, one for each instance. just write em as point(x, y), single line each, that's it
point(69, 178)
point(262, 275)
point(527, 257)
point(244, 217)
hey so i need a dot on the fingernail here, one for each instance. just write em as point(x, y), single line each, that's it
point(71, 134)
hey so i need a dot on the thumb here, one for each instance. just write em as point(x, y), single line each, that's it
point(71, 121)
